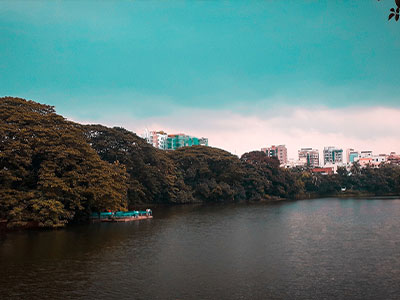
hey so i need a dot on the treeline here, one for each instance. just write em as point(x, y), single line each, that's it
point(54, 171)
point(370, 181)
point(49, 174)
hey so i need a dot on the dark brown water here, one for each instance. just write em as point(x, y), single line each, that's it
point(314, 249)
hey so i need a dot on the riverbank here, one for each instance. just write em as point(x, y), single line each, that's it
point(157, 206)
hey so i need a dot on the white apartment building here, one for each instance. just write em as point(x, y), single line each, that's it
point(365, 154)
point(333, 155)
point(309, 157)
point(156, 138)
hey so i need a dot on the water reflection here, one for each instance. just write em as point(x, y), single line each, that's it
point(318, 249)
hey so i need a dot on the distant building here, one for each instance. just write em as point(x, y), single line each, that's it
point(335, 166)
point(379, 159)
point(175, 141)
point(164, 141)
point(393, 158)
point(203, 141)
point(309, 157)
point(292, 163)
point(280, 152)
point(323, 171)
point(333, 155)
point(373, 161)
point(156, 138)
point(364, 161)
point(365, 154)
point(352, 155)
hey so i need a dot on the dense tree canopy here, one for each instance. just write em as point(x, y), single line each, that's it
point(264, 172)
point(53, 171)
point(152, 174)
point(212, 175)
point(48, 172)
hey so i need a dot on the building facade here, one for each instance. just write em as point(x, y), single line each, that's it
point(179, 140)
point(366, 154)
point(203, 141)
point(323, 171)
point(156, 138)
point(280, 152)
point(333, 155)
point(164, 141)
point(393, 158)
point(373, 161)
point(352, 155)
point(309, 157)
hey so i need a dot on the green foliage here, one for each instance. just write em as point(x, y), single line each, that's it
point(53, 171)
point(378, 181)
point(211, 174)
point(265, 176)
point(48, 172)
point(152, 175)
point(381, 181)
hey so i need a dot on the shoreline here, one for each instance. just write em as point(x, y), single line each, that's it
point(366, 196)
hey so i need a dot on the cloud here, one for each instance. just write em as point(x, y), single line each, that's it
point(371, 128)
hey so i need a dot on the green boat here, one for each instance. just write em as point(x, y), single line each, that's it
point(122, 216)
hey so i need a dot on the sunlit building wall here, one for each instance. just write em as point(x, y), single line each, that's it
point(309, 157)
point(333, 155)
point(280, 152)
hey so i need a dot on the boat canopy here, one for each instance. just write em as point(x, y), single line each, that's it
point(119, 214)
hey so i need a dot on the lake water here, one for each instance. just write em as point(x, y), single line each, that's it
point(312, 249)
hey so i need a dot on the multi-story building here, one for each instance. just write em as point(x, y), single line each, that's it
point(203, 141)
point(333, 155)
point(175, 141)
point(379, 159)
point(373, 161)
point(366, 154)
point(156, 138)
point(280, 152)
point(394, 158)
point(164, 141)
point(352, 155)
point(366, 158)
point(309, 157)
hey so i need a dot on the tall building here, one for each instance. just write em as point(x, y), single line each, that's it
point(280, 152)
point(333, 155)
point(175, 141)
point(309, 157)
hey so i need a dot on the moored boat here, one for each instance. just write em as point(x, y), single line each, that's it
point(121, 216)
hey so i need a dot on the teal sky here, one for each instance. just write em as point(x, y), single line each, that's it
point(149, 58)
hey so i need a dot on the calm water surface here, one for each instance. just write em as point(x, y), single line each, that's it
point(313, 249)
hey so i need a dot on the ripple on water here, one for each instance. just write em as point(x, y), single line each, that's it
point(314, 249)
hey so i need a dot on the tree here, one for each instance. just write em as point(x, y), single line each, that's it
point(53, 171)
point(211, 174)
point(49, 173)
point(277, 181)
point(394, 12)
point(153, 177)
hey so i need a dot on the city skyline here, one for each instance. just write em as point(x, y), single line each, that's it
point(305, 155)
